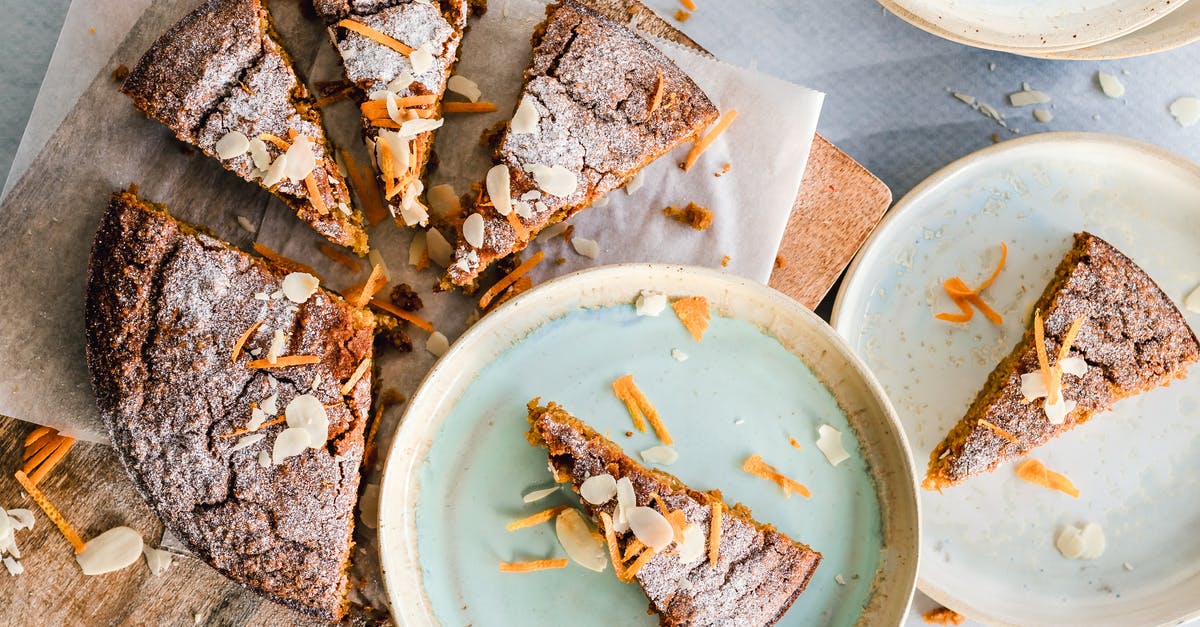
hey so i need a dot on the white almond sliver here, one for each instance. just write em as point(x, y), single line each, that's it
point(307, 412)
point(558, 228)
point(257, 418)
point(368, 506)
point(1027, 97)
point(692, 549)
point(13, 567)
point(401, 83)
point(650, 303)
point(636, 182)
point(830, 443)
point(598, 489)
point(538, 495)
point(525, 120)
point(6, 530)
point(259, 154)
point(247, 225)
point(554, 180)
point(440, 250)
point(651, 527)
point(21, 518)
point(498, 188)
point(412, 128)
point(586, 247)
point(300, 159)
point(1192, 302)
point(661, 455)
point(626, 500)
point(270, 404)
point(264, 459)
point(375, 258)
point(678, 355)
point(1043, 115)
point(443, 200)
point(417, 249)
point(421, 58)
point(247, 441)
point(1076, 543)
point(522, 209)
point(298, 287)
point(1186, 110)
point(275, 172)
point(472, 230)
point(1093, 541)
point(1058, 412)
point(276, 347)
point(437, 344)
point(233, 144)
point(465, 86)
point(393, 108)
point(112, 550)
point(157, 559)
point(289, 443)
point(1074, 366)
point(577, 540)
point(1110, 85)
point(1033, 386)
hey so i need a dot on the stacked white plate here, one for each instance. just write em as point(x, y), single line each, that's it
point(1058, 29)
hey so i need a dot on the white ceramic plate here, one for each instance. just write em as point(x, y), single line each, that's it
point(1031, 26)
point(768, 369)
point(1179, 28)
point(988, 544)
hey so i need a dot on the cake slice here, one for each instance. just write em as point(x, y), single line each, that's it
point(758, 572)
point(598, 105)
point(254, 468)
point(399, 54)
point(221, 81)
point(1129, 338)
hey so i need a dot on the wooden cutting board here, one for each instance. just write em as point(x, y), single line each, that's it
point(839, 205)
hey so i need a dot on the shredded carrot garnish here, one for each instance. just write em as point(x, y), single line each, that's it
point(60, 451)
point(51, 512)
point(36, 434)
point(682, 15)
point(241, 342)
point(1036, 472)
point(336, 95)
point(757, 467)
point(703, 143)
point(963, 296)
point(985, 309)
point(528, 567)
point(714, 534)
point(378, 108)
point(638, 405)
point(656, 99)
point(40, 444)
point(284, 362)
point(688, 4)
point(966, 315)
point(314, 194)
point(545, 515)
point(284, 262)
point(997, 430)
point(943, 616)
point(339, 257)
point(632, 550)
point(279, 142)
point(376, 36)
point(621, 390)
point(693, 313)
point(637, 565)
point(1039, 341)
point(482, 106)
point(359, 295)
point(33, 461)
point(269, 423)
point(614, 553)
point(510, 278)
point(795, 444)
point(356, 376)
point(368, 192)
point(1064, 351)
point(416, 320)
point(385, 169)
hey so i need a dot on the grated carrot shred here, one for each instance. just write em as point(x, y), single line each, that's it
point(757, 467)
point(688, 4)
point(693, 313)
point(703, 143)
point(528, 567)
point(385, 169)
point(416, 320)
point(997, 430)
point(368, 192)
point(356, 376)
point(714, 534)
point(339, 257)
point(284, 362)
point(482, 106)
point(376, 36)
point(1035, 472)
point(379, 108)
point(963, 296)
point(1039, 341)
point(284, 262)
point(43, 453)
point(632, 550)
point(51, 512)
point(36, 434)
point(1064, 351)
point(795, 444)
point(545, 515)
point(621, 390)
point(38, 445)
point(656, 99)
point(637, 564)
point(270, 423)
point(614, 553)
point(314, 194)
point(279, 142)
point(628, 391)
point(510, 278)
point(241, 342)
point(359, 295)
point(60, 451)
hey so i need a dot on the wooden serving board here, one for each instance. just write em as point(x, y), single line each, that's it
point(839, 205)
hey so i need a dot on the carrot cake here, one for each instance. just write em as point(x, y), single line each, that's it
point(400, 55)
point(599, 104)
point(1122, 336)
point(237, 393)
point(737, 571)
point(221, 81)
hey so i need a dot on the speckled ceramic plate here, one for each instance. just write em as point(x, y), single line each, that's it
point(767, 370)
point(1179, 28)
point(988, 544)
point(1031, 26)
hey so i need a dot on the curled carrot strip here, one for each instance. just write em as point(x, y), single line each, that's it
point(964, 297)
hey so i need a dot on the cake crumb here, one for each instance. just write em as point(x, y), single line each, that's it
point(943, 616)
point(841, 581)
point(121, 73)
point(724, 170)
point(682, 15)
point(780, 261)
point(406, 298)
point(560, 261)
point(725, 261)
point(693, 215)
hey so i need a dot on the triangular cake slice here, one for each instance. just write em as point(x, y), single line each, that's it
point(222, 82)
point(254, 467)
point(399, 54)
point(599, 104)
point(758, 572)
point(1131, 338)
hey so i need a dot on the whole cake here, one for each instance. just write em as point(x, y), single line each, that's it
point(221, 81)
point(237, 394)
point(399, 54)
point(599, 104)
point(743, 573)
point(1122, 335)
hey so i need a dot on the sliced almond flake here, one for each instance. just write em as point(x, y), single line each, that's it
point(841, 581)
point(289, 443)
point(1186, 110)
point(417, 250)
point(264, 459)
point(598, 489)
point(1074, 366)
point(21, 518)
point(578, 541)
point(538, 495)
point(1110, 85)
point(967, 98)
point(270, 404)
point(693, 547)
point(1057, 413)
point(554, 180)
point(412, 128)
point(421, 58)
point(277, 295)
point(636, 182)
point(316, 383)
point(443, 200)
point(437, 344)
point(393, 109)
point(112, 550)
point(401, 83)
point(1086, 543)
point(626, 500)
point(1192, 302)
point(157, 559)
point(472, 230)
point(1033, 386)
point(586, 247)
point(376, 259)
point(276, 347)
point(678, 355)
point(300, 159)
point(275, 172)
point(558, 228)
point(307, 412)
point(522, 209)
point(368, 505)
point(650, 303)
point(498, 188)
point(830, 443)
point(262, 296)
point(1043, 115)
point(13, 567)
point(525, 120)
point(661, 455)
point(651, 527)
point(247, 441)
point(259, 154)
point(232, 144)
point(440, 250)
point(465, 86)
point(1027, 97)
point(247, 225)
point(298, 287)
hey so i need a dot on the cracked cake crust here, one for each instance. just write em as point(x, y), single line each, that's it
point(165, 305)
point(760, 572)
point(221, 69)
point(1133, 339)
point(592, 82)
